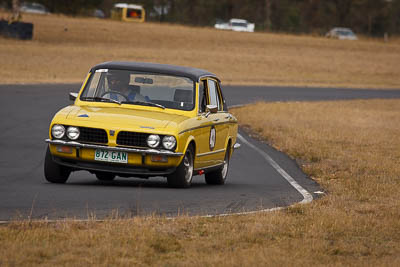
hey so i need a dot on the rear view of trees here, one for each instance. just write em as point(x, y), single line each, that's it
point(372, 17)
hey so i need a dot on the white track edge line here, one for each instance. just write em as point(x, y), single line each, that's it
point(307, 197)
point(237, 106)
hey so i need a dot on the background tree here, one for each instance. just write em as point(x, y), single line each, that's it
point(372, 17)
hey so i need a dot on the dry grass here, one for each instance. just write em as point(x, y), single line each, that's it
point(65, 48)
point(350, 147)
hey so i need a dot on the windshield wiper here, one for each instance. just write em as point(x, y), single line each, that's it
point(101, 99)
point(144, 103)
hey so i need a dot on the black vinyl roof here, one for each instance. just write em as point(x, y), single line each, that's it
point(192, 73)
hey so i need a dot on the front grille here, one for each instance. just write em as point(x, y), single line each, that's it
point(132, 139)
point(93, 135)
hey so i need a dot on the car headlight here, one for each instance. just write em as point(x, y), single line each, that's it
point(73, 132)
point(153, 140)
point(169, 142)
point(58, 131)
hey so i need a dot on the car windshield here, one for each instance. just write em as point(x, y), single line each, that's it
point(239, 24)
point(139, 88)
point(345, 32)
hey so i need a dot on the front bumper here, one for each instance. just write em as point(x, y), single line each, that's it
point(122, 149)
point(140, 163)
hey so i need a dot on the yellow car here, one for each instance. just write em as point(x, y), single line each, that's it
point(134, 119)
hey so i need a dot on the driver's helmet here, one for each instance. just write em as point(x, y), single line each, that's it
point(117, 79)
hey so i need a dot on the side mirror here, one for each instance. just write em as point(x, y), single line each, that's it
point(211, 109)
point(73, 96)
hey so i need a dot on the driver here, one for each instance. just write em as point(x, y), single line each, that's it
point(118, 83)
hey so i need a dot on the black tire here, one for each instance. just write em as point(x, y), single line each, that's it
point(53, 172)
point(218, 177)
point(105, 176)
point(182, 177)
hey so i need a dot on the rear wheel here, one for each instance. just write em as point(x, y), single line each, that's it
point(219, 176)
point(53, 172)
point(105, 176)
point(182, 177)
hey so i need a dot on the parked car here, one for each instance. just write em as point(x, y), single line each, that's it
point(128, 12)
point(135, 119)
point(239, 25)
point(34, 8)
point(98, 13)
point(341, 34)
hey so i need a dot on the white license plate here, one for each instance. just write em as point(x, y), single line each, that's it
point(111, 156)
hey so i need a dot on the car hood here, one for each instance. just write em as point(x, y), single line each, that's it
point(125, 117)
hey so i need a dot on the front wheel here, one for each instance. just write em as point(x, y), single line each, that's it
point(53, 172)
point(182, 177)
point(219, 176)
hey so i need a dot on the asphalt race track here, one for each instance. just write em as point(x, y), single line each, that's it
point(253, 183)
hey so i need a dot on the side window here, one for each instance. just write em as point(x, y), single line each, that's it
point(214, 96)
point(202, 96)
point(223, 100)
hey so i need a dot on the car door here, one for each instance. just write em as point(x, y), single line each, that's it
point(203, 156)
point(219, 128)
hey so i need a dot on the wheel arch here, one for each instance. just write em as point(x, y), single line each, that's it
point(229, 145)
point(190, 142)
point(229, 142)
